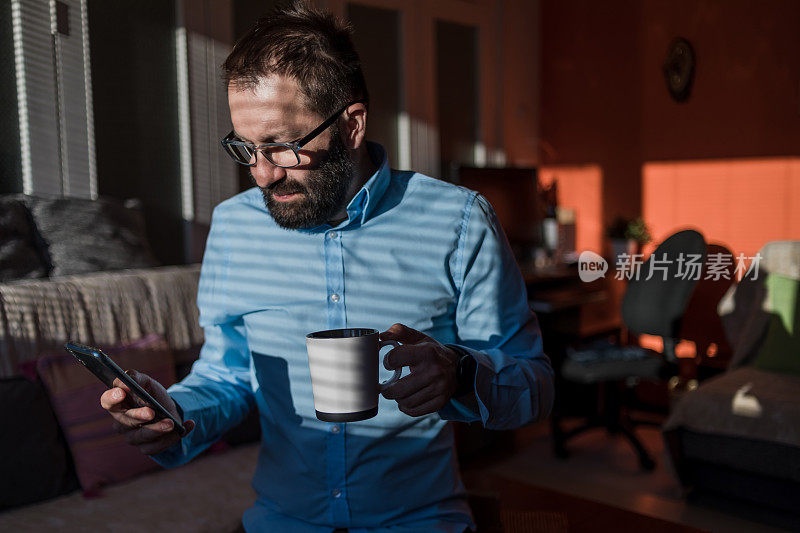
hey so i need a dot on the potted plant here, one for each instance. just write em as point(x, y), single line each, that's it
point(628, 236)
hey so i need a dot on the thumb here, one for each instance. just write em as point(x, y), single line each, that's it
point(404, 334)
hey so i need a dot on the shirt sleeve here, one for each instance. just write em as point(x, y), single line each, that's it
point(513, 378)
point(217, 394)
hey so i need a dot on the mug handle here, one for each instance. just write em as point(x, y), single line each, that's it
point(397, 372)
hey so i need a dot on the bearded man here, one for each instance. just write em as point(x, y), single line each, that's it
point(331, 237)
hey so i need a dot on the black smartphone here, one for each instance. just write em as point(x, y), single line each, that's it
point(107, 370)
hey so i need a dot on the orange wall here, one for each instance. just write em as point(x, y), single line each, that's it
point(580, 188)
point(764, 193)
point(605, 103)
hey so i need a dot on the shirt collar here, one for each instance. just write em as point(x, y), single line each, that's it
point(367, 199)
point(369, 196)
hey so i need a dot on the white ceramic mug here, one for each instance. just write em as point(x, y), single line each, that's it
point(344, 373)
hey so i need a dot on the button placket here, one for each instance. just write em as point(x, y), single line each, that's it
point(334, 270)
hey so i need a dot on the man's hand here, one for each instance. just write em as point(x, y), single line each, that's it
point(432, 380)
point(136, 424)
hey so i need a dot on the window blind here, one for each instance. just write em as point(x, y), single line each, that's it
point(215, 177)
point(54, 98)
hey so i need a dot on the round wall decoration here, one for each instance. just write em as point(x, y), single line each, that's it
point(679, 69)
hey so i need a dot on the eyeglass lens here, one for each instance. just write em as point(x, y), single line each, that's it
point(283, 156)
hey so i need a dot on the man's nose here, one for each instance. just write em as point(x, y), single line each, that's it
point(265, 173)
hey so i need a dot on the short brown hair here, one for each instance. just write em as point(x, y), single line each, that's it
point(313, 47)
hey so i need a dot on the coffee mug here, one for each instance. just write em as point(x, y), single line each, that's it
point(344, 373)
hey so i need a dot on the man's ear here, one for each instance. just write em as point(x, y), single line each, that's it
point(355, 126)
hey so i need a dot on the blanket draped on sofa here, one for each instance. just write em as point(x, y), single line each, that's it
point(99, 309)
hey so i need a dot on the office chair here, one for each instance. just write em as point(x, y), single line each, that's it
point(653, 306)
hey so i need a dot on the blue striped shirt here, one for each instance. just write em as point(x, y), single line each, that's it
point(413, 250)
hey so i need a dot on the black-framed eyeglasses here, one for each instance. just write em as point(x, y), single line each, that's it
point(284, 155)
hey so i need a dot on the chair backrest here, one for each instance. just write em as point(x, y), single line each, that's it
point(701, 323)
point(655, 306)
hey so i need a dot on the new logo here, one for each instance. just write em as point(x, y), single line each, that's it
point(591, 266)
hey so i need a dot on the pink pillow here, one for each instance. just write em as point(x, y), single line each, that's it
point(101, 455)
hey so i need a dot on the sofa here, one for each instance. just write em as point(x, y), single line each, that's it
point(738, 434)
point(82, 270)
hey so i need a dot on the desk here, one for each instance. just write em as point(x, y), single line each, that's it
point(568, 308)
point(571, 312)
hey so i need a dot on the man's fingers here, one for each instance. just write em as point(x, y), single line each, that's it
point(422, 397)
point(111, 400)
point(150, 432)
point(156, 437)
point(135, 421)
point(135, 435)
point(119, 384)
point(119, 427)
point(431, 406)
point(132, 418)
point(406, 386)
point(404, 334)
point(142, 414)
point(161, 444)
point(405, 355)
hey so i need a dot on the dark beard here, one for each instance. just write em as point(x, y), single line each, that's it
point(324, 191)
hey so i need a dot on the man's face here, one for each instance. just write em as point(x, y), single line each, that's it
point(311, 193)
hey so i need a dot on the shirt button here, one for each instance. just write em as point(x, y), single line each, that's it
point(334, 429)
point(334, 298)
point(332, 235)
point(336, 493)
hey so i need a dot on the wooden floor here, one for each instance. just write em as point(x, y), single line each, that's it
point(603, 469)
point(526, 508)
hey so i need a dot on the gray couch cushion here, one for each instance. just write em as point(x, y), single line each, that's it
point(18, 255)
point(746, 403)
point(91, 235)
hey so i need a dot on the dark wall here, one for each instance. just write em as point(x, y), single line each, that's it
point(10, 161)
point(457, 98)
point(591, 94)
point(136, 113)
point(376, 36)
point(605, 101)
point(746, 95)
point(246, 12)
